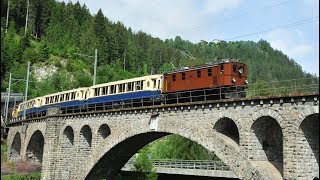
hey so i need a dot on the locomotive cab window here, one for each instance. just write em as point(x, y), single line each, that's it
point(241, 69)
point(198, 73)
point(209, 72)
point(221, 68)
point(235, 68)
point(183, 76)
point(173, 77)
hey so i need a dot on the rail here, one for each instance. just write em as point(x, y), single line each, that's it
point(274, 88)
point(184, 164)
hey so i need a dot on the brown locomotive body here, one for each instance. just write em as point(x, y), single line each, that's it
point(225, 77)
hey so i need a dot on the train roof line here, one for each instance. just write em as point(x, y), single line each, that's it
point(209, 64)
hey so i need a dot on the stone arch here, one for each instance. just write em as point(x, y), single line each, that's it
point(104, 131)
point(268, 113)
point(310, 143)
point(67, 151)
point(228, 127)
point(85, 140)
point(268, 141)
point(306, 113)
point(35, 147)
point(15, 150)
point(109, 153)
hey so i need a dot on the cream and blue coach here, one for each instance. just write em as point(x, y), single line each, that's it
point(135, 89)
point(146, 87)
point(64, 99)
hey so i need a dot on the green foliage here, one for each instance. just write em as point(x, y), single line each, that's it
point(32, 176)
point(144, 167)
point(177, 147)
point(4, 150)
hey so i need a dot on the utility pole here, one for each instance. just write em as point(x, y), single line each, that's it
point(95, 66)
point(8, 100)
point(25, 28)
point(7, 17)
point(124, 59)
point(26, 93)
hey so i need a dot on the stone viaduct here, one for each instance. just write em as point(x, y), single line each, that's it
point(260, 138)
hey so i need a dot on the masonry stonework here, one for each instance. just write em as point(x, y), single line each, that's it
point(258, 139)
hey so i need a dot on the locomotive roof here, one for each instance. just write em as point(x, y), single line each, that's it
point(210, 64)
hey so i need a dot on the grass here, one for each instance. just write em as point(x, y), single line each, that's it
point(32, 176)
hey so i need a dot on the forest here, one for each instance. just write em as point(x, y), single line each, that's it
point(57, 31)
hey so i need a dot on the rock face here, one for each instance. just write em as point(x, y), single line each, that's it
point(43, 72)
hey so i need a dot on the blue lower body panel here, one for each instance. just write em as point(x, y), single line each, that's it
point(101, 99)
point(125, 97)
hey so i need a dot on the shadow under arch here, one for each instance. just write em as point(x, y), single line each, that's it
point(104, 131)
point(112, 161)
point(15, 150)
point(68, 136)
point(35, 147)
point(269, 139)
point(310, 129)
point(86, 136)
point(228, 127)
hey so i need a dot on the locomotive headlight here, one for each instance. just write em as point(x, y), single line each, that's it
point(233, 80)
point(246, 81)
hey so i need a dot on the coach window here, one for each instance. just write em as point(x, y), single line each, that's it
point(130, 86)
point(198, 73)
point(51, 99)
point(107, 90)
point(73, 95)
point(62, 97)
point(154, 83)
point(221, 68)
point(56, 98)
point(141, 85)
point(47, 100)
point(67, 96)
point(173, 77)
point(113, 89)
point(121, 88)
point(158, 84)
point(96, 91)
point(103, 91)
point(235, 68)
point(183, 76)
point(138, 85)
point(209, 72)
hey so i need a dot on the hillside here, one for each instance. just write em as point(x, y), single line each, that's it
point(57, 30)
